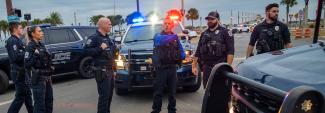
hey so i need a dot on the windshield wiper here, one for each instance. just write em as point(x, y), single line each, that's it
point(137, 40)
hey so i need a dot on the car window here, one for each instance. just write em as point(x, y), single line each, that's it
point(72, 36)
point(86, 32)
point(58, 36)
point(147, 32)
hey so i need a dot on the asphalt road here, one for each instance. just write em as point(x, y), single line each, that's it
point(75, 95)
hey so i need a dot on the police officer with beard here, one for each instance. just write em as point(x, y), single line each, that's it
point(216, 45)
point(271, 35)
point(101, 48)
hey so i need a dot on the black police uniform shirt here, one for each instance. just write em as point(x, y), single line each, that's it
point(93, 48)
point(41, 60)
point(271, 30)
point(16, 51)
point(226, 38)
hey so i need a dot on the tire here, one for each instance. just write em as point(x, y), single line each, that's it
point(4, 81)
point(121, 91)
point(195, 87)
point(85, 70)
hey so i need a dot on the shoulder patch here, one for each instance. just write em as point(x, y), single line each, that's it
point(230, 33)
point(89, 41)
point(15, 47)
point(26, 54)
point(277, 28)
point(217, 31)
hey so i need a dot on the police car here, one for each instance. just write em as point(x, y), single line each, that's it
point(66, 47)
point(286, 81)
point(137, 47)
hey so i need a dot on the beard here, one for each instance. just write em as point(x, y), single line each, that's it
point(274, 18)
point(212, 25)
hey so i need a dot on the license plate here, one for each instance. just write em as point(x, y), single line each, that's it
point(143, 68)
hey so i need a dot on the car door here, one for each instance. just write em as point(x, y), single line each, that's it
point(63, 45)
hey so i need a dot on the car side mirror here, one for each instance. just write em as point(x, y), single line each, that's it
point(192, 34)
point(118, 39)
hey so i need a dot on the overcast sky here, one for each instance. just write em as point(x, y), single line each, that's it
point(86, 8)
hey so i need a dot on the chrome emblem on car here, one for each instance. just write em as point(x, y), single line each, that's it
point(306, 105)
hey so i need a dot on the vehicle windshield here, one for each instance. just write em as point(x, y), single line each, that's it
point(146, 32)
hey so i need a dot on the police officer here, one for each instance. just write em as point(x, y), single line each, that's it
point(16, 52)
point(38, 65)
point(271, 34)
point(101, 48)
point(168, 52)
point(216, 45)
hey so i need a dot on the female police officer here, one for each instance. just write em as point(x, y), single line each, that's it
point(38, 65)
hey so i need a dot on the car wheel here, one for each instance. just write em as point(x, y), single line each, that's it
point(195, 87)
point(85, 70)
point(121, 91)
point(4, 81)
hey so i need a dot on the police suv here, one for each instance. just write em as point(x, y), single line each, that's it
point(286, 81)
point(137, 48)
point(66, 47)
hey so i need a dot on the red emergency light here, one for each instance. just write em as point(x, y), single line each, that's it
point(174, 15)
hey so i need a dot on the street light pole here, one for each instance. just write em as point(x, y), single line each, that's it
point(183, 12)
point(138, 9)
point(114, 7)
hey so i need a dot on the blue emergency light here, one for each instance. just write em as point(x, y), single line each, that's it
point(135, 17)
point(137, 20)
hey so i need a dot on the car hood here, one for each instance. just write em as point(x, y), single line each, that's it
point(304, 65)
point(148, 45)
point(143, 45)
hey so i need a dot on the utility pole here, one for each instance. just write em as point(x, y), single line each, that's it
point(242, 17)
point(75, 18)
point(231, 19)
point(238, 18)
point(9, 7)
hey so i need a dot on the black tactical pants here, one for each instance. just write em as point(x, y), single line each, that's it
point(23, 93)
point(165, 77)
point(105, 84)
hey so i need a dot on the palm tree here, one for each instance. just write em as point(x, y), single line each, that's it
point(4, 27)
point(288, 3)
point(192, 14)
point(119, 21)
point(94, 19)
point(54, 19)
point(23, 23)
point(37, 21)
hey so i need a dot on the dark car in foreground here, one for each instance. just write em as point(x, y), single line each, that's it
point(66, 47)
point(286, 81)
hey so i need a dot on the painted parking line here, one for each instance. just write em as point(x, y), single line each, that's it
point(6, 102)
